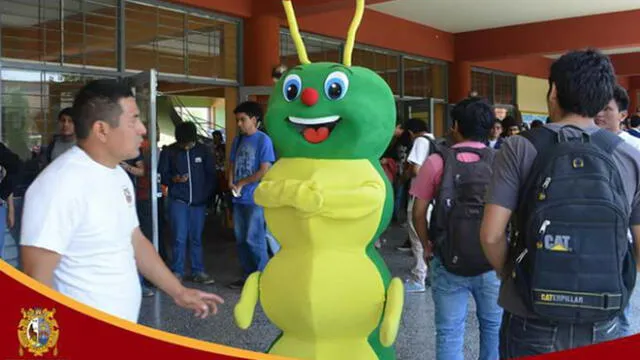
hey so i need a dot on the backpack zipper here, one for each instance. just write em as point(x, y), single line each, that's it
point(545, 185)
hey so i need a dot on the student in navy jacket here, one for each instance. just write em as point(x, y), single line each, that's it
point(187, 168)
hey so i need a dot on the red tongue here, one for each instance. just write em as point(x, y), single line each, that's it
point(315, 136)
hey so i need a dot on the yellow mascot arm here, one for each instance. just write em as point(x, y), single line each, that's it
point(302, 195)
point(244, 310)
point(354, 202)
point(392, 313)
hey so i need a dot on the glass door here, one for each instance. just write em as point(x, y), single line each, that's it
point(144, 86)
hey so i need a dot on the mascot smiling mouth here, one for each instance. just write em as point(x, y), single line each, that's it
point(315, 130)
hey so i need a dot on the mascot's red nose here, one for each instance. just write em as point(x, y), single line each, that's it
point(310, 96)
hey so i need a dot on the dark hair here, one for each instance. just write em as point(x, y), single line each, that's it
point(68, 111)
point(251, 108)
point(186, 132)
point(474, 117)
point(98, 101)
point(497, 121)
point(217, 133)
point(621, 97)
point(416, 126)
point(584, 82)
point(509, 121)
point(634, 120)
point(536, 124)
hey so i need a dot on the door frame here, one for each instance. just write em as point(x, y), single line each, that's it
point(149, 80)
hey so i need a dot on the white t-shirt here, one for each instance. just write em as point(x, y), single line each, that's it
point(632, 140)
point(86, 212)
point(419, 151)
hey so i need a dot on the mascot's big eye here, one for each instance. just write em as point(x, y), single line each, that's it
point(336, 85)
point(292, 87)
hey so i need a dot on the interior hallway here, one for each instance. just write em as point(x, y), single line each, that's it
point(416, 339)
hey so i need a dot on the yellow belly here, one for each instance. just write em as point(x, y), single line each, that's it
point(322, 289)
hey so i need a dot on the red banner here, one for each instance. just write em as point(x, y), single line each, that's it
point(37, 322)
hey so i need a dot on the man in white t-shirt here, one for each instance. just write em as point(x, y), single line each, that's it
point(80, 232)
point(419, 152)
point(609, 119)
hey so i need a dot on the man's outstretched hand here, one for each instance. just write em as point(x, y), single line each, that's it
point(202, 303)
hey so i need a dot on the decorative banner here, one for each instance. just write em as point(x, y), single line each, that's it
point(37, 322)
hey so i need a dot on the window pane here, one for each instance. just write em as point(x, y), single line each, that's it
point(31, 101)
point(317, 49)
point(424, 79)
point(481, 83)
point(81, 33)
point(175, 42)
point(90, 32)
point(504, 89)
point(385, 65)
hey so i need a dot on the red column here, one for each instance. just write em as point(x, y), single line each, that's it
point(634, 88)
point(459, 81)
point(261, 49)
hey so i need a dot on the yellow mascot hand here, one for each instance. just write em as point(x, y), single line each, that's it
point(353, 203)
point(392, 313)
point(244, 310)
point(303, 195)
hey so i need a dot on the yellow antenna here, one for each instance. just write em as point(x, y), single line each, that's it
point(295, 32)
point(351, 35)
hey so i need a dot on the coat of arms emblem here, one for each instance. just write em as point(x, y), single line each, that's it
point(38, 332)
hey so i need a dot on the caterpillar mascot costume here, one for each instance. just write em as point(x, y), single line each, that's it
point(327, 200)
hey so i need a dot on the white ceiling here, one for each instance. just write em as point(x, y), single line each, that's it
point(468, 15)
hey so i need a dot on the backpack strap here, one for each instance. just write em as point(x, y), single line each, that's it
point(542, 140)
point(432, 144)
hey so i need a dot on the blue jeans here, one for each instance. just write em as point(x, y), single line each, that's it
point(451, 295)
point(251, 237)
point(625, 325)
point(187, 223)
point(272, 243)
point(527, 337)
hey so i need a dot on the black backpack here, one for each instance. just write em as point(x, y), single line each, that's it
point(457, 215)
point(572, 260)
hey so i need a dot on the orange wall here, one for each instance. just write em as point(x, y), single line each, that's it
point(384, 31)
point(240, 8)
point(602, 31)
point(624, 81)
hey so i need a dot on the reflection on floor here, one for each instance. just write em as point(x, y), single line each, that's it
point(416, 339)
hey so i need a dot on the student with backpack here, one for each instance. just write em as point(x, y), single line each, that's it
point(457, 178)
point(423, 146)
point(570, 269)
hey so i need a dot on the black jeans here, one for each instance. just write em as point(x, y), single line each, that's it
point(525, 337)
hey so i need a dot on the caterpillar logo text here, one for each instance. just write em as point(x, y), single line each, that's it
point(563, 299)
point(557, 242)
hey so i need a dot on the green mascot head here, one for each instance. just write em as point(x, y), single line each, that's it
point(330, 110)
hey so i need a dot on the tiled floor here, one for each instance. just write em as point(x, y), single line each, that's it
point(416, 339)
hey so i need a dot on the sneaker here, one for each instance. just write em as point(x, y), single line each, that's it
point(239, 284)
point(202, 278)
point(147, 291)
point(405, 247)
point(412, 286)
